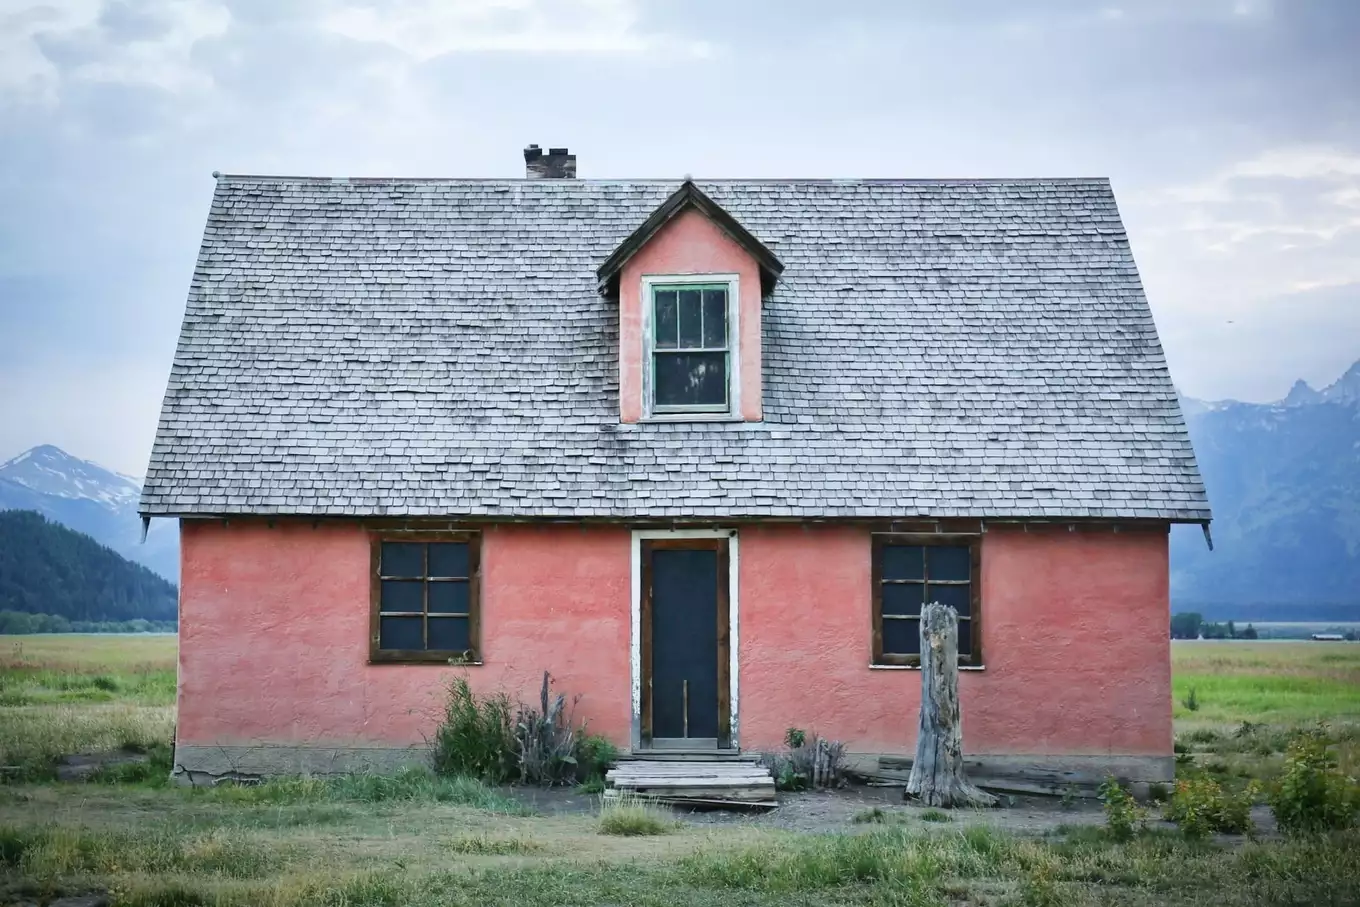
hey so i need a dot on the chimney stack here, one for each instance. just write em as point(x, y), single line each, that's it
point(557, 164)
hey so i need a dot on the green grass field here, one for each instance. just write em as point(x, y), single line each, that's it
point(418, 840)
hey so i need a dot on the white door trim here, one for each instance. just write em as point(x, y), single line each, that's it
point(733, 609)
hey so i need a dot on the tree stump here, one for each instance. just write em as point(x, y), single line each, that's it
point(937, 772)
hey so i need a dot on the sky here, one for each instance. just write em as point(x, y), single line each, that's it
point(1229, 128)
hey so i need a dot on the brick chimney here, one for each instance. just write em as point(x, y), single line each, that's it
point(557, 164)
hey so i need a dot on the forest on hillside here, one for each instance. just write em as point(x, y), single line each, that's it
point(47, 569)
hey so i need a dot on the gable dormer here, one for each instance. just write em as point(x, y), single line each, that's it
point(689, 282)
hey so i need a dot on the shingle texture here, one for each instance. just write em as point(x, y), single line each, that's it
point(942, 348)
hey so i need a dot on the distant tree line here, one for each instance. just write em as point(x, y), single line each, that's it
point(1191, 625)
point(19, 623)
point(49, 571)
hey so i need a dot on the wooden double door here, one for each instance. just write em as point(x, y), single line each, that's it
point(685, 651)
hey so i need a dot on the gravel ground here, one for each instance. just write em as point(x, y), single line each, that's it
point(831, 811)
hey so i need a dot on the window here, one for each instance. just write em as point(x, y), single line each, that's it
point(908, 572)
point(424, 597)
point(690, 346)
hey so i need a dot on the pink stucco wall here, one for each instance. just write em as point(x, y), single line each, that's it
point(689, 244)
point(275, 622)
point(1074, 639)
point(274, 627)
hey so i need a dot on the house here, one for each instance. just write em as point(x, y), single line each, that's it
point(700, 449)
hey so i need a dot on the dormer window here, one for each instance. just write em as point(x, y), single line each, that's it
point(689, 282)
point(691, 323)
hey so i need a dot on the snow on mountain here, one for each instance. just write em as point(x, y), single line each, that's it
point(50, 470)
point(88, 498)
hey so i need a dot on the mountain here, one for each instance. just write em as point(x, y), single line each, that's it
point(88, 498)
point(46, 568)
point(1284, 483)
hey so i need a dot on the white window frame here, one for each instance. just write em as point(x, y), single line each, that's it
point(650, 283)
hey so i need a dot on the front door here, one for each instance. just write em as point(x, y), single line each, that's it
point(685, 695)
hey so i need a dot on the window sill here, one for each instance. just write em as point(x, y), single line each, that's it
point(691, 417)
point(874, 667)
point(425, 662)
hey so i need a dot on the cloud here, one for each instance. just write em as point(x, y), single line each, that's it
point(1254, 270)
point(425, 29)
point(44, 48)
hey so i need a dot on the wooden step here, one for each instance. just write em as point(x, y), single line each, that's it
point(737, 781)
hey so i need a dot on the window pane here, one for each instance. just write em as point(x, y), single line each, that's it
point(691, 334)
point(449, 634)
point(960, 597)
point(965, 637)
point(400, 633)
point(449, 559)
point(901, 637)
point(902, 598)
point(948, 562)
point(715, 318)
point(691, 379)
point(449, 597)
point(664, 326)
point(402, 595)
point(902, 562)
point(403, 559)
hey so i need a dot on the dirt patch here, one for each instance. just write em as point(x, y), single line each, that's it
point(838, 810)
point(848, 809)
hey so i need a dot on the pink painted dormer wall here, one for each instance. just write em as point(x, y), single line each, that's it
point(690, 244)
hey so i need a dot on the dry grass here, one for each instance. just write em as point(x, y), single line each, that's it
point(80, 694)
point(92, 653)
point(417, 841)
point(634, 817)
point(1254, 695)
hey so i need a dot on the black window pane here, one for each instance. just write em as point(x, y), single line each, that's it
point(965, 637)
point(449, 634)
point(691, 331)
point(401, 633)
point(664, 329)
point(403, 559)
point(691, 379)
point(715, 318)
point(903, 562)
point(449, 559)
point(451, 597)
point(901, 637)
point(402, 595)
point(949, 562)
point(960, 597)
point(902, 598)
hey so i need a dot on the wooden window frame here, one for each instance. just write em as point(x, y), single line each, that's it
point(470, 655)
point(650, 285)
point(933, 540)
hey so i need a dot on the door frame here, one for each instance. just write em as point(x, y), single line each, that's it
point(640, 647)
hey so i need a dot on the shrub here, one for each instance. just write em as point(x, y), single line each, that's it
point(490, 739)
point(475, 738)
point(1122, 814)
point(595, 755)
point(809, 761)
point(1191, 701)
point(1313, 795)
point(545, 738)
point(1201, 807)
point(633, 817)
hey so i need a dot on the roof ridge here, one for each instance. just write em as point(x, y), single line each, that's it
point(666, 180)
